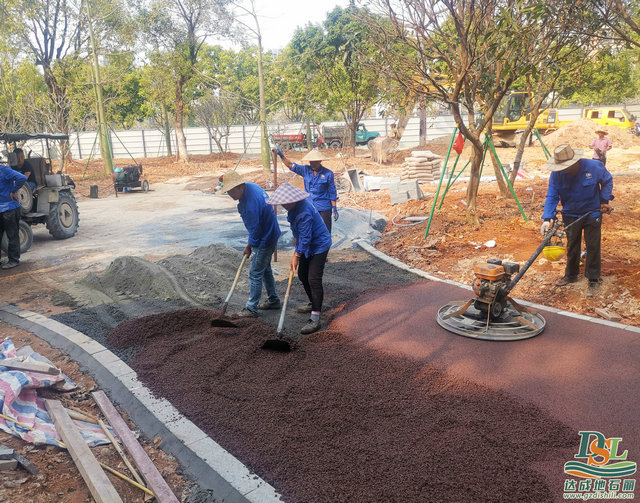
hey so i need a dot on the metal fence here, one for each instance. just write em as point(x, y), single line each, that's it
point(141, 143)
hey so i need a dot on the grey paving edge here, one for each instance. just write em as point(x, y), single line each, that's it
point(419, 272)
point(201, 457)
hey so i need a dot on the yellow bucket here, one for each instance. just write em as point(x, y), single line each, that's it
point(553, 253)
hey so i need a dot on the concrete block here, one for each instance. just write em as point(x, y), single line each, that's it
point(606, 314)
point(6, 452)
point(405, 190)
point(354, 179)
point(25, 463)
point(397, 195)
point(8, 464)
point(412, 188)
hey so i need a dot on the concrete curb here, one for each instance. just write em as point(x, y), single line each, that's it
point(419, 272)
point(202, 458)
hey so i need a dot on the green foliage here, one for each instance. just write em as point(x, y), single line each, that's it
point(609, 77)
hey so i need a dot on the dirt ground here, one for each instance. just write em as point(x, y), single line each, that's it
point(58, 479)
point(450, 250)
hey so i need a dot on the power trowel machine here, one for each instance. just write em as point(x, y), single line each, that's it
point(493, 314)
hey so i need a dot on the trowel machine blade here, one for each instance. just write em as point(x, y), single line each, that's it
point(511, 325)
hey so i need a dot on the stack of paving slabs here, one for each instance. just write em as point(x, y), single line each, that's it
point(422, 165)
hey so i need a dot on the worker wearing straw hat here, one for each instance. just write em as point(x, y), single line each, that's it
point(601, 146)
point(319, 182)
point(581, 185)
point(312, 242)
point(260, 221)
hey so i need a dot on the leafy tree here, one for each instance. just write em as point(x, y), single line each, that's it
point(617, 20)
point(178, 29)
point(465, 54)
point(609, 77)
point(24, 105)
point(343, 53)
point(298, 77)
point(49, 30)
point(157, 88)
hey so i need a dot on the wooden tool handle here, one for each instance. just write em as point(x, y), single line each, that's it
point(284, 304)
point(233, 286)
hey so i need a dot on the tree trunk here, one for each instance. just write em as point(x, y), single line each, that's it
point(423, 127)
point(502, 186)
point(474, 183)
point(526, 136)
point(309, 135)
point(167, 129)
point(182, 153)
point(352, 126)
point(403, 120)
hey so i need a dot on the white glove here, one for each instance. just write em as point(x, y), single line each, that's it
point(544, 228)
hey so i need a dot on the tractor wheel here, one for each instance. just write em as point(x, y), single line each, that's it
point(25, 198)
point(63, 218)
point(26, 238)
point(145, 185)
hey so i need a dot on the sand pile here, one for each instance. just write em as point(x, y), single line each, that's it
point(581, 133)
point(201, 278)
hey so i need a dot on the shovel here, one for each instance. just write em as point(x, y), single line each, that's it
point(278, 343)
point(219, 322)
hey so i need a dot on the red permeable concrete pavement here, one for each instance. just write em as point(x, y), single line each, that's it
point(585, 374)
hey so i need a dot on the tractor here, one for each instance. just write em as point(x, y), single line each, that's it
point(48, 199)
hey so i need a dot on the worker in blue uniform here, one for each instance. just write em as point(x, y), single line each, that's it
point(319, 182)
point(580, 185)
point(260, 221)
point(10, 182)
point(312, 242)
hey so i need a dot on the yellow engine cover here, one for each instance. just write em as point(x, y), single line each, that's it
point(491, 272)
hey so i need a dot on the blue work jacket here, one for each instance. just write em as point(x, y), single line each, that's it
point(10, 181)
point(322, 186)
point(309, 229)
point(258, 216)
point(578, 194)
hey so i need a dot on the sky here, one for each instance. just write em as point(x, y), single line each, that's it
point(279, 18)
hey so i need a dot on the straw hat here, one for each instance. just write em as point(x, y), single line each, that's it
point(287, 194)
point(602, 131)
point(230, 180)
point(314, 155)
point(563, 157)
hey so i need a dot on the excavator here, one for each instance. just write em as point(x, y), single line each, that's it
point(514, 114)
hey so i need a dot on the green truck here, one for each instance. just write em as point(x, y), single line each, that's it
point(335, 137)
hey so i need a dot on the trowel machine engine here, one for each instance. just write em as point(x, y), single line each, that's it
point(493, 314)
point(491, 285)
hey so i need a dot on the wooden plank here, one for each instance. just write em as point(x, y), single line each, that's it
point(97, 481)
point(29, 366)
point(148, 470)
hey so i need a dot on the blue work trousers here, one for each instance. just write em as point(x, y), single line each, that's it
point(260, 274)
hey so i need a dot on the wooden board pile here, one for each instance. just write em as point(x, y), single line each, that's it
point(422, 165)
